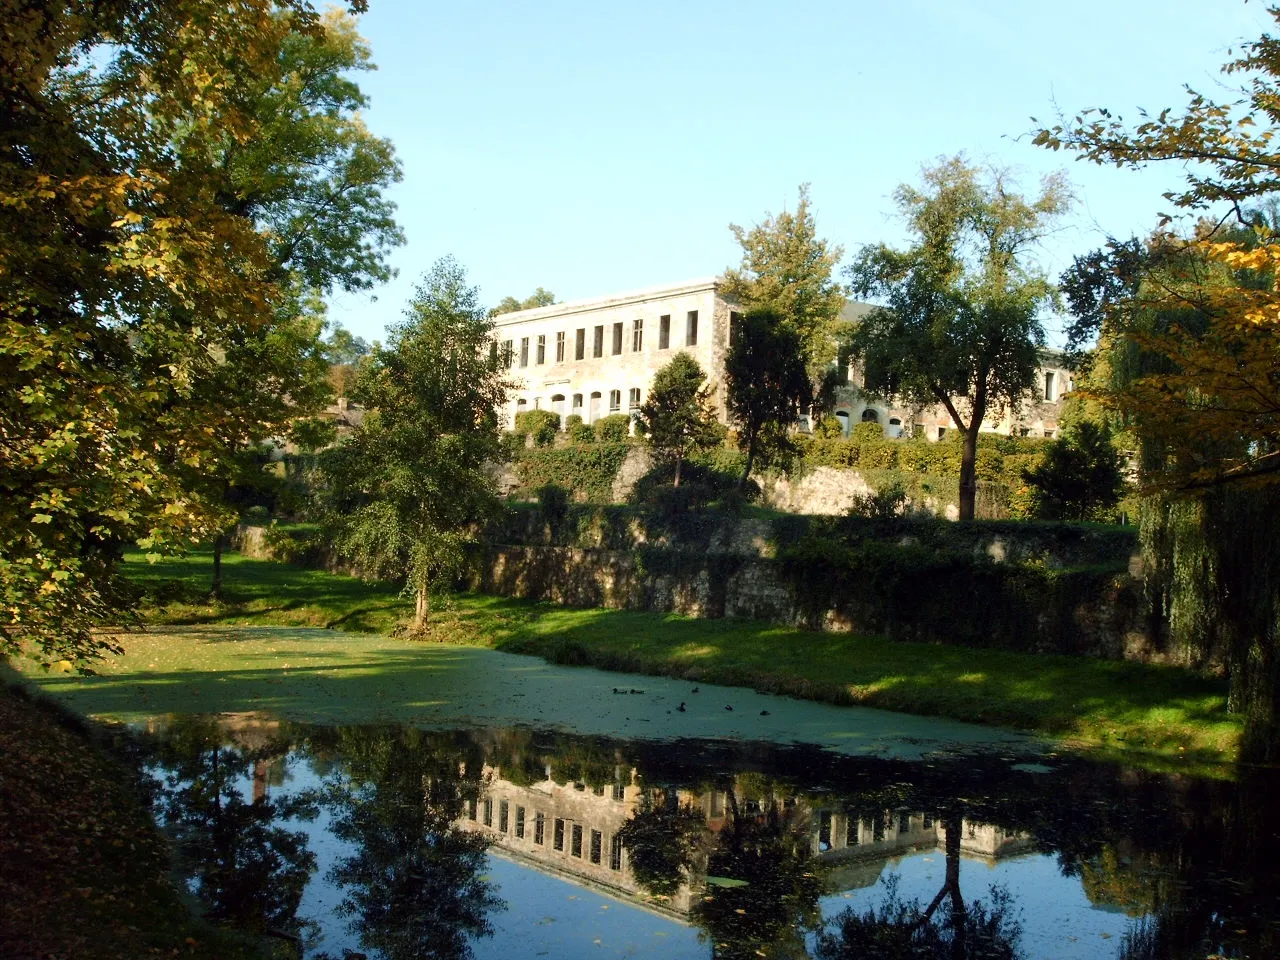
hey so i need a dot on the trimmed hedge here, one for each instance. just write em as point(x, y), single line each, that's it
point(586, 470)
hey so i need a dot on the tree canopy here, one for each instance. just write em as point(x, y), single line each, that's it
point(147, 261)
point(787, 268)
point(959, 321)
point(408, 489)
point(677, 418)
point(539, 298)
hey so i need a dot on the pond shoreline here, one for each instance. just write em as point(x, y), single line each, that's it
point(1157, 717)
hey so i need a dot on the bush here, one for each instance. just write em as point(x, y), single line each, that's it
point(578, 431)
point(542, 425)
point(257, 516)
point(707, 485)
point(585, 469)
point(880, 504)
point(553, 505)
point(614, 428)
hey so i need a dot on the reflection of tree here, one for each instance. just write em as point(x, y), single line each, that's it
point(662, 841)
point(901, 930)
point(762, 887)
point(237, 859)
point(414, 886)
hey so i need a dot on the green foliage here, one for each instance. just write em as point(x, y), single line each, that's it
point(766, 385)
point(677, 419)
point(539, 298)
point(787, 269)
point(615, 428)
point(962, 305)
point(542, 425)
point(1080, 477)
point(408, 489)
point(588, 470)
point(577, 430)
point(178, 182)
point(882, 504)
point(553, 505)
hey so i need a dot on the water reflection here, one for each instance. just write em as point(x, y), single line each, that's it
point(767, 852)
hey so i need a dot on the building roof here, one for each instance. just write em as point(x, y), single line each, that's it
point(612, 300)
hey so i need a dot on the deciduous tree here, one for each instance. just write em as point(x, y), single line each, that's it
point(787, 268)
point(408, 489)
point(539, 298)
point(677, 418)
point(959, 321)
point(766, 384)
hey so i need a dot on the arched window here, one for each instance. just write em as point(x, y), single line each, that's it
point(842, 418)
point(870, 416)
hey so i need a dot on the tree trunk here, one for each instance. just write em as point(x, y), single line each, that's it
point(218, 543)
point(968, 470)
point(1255, 692)
point(421, 608)
point(751, 459)
point(954, 825)
point(679, 462)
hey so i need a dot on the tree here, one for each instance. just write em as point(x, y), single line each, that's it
point(408, 489)
point(960, 320)
point(1081, 476)
point(539, 298)
point(766, 383)
point(677, 418)
point(787, 268)
point(1196, 321)
point(343, 348)
point(129, 268)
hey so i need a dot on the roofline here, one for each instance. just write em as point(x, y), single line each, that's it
point(613, 300)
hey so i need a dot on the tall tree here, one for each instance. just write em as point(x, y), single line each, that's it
point(766, 384)
point(408, 489)
point(130, 274)
point(786, 267)
point(677, 417)
point(1199, 319)
point(959, 323)
point(1081, 476)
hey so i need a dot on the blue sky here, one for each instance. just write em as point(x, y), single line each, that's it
point(597, 147)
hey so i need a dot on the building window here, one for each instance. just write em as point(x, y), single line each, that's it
point(615, 401)
point(575, 841)
point(634, 397)
point(508, 353)
point(824, 830)
point(524, 351)
point(560, 347)
point(577, 404)
point(1048, 387)
point(580, 344)
point(617, 792)
point(597, 342)
point(557, 839)
point(942, 432)
point(870, 416)
point(488, 813)
point(904, 821)
point(542, 349)
point(617, 338)
point(691, 329)
point(540, 828)
point(597, 844)
point(471, 810)
point(877, 828)
point(927, 822)
point(851, 831)
point(598, 791)
point(615, 853)
point(520, 822)
point(504, 815)
point(637, 335)
point(664, 331)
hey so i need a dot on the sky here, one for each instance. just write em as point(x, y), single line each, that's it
point(594, 148)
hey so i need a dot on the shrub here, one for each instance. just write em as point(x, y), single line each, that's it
point(542, 425)
point(578, 431)
point(553, 505)
point(585, 469)
point(257, 516)
point(614, 428)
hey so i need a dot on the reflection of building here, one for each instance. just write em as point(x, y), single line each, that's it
point(598, 356)
point(568, 830)
point(858, 846)
point(572, 831)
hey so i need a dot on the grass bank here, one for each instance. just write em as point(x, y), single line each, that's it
point(84, 869)
point(1140, 713)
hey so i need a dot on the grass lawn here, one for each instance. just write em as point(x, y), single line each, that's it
point(1143, 713)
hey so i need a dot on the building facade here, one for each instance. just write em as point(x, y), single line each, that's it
point(598, 357)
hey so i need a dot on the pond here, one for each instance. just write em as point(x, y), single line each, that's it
point(393, 841)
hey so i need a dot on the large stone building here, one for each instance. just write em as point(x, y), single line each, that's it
point(598, 357)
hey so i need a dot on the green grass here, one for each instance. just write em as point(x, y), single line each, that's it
point(1139, 712)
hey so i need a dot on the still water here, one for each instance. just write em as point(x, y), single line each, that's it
point(395, 842)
